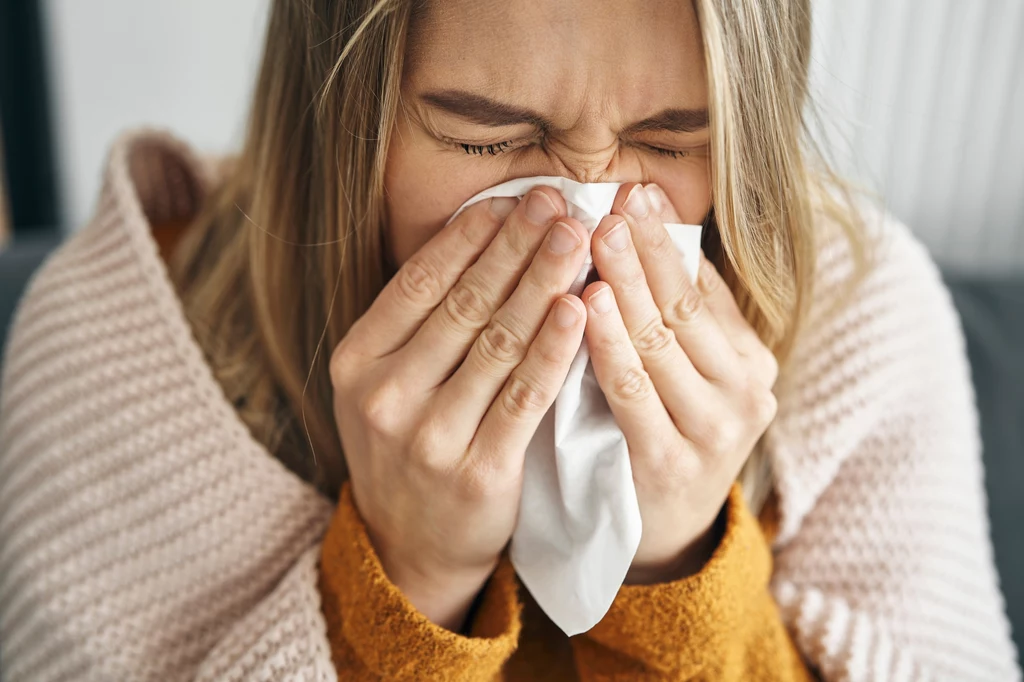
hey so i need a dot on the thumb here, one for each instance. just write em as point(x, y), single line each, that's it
point(659, 201)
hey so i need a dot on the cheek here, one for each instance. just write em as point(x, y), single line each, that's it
point(422, 190)
point(688, 188)
point(416, 204)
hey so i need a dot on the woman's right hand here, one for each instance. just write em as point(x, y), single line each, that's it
point(440, 386)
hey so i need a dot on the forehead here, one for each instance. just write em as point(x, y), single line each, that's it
point(565, 56)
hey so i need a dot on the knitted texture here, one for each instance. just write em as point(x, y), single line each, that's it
point(884, 566)
point(145, 535)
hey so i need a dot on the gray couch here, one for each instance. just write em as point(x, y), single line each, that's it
point(992, 312)
point(993, 317)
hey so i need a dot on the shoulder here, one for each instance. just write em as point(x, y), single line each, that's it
point(99, 335)
point(878, 369)
point(109, 271)
point(122, 463)
point(150, 178)
point(894, 312)
point(101, 361)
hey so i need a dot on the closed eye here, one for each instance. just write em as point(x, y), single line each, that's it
point(502, 147)
point(673, 153)
point(481, 149)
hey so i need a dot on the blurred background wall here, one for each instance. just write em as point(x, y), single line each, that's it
point(924, 102)
point(187, 65)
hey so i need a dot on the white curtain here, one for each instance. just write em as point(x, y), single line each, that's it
point(924, 103)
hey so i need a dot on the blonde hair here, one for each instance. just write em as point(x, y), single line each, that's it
point(287, 252)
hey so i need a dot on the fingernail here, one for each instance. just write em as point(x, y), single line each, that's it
point(637, 204)
point(654, 195)
point(501, 207)
point(563, 239)
point(601, 302)
point(566, 314)
point(617, 238)
point(539, 208)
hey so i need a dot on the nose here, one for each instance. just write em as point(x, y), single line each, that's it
point(586, 162)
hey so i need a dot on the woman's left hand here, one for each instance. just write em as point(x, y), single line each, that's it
point(687, 378)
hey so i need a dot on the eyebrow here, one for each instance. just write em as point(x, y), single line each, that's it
point(484, 111)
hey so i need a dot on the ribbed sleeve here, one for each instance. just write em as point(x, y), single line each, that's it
point(884, 567)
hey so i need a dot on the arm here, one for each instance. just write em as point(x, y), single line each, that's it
point(884, 564)
point(375, 633)
point(719, 624)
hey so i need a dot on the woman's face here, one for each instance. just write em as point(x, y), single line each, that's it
point(597, 91)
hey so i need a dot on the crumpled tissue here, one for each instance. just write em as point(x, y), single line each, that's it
point(579, 521)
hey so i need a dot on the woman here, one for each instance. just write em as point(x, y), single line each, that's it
point(300, 455)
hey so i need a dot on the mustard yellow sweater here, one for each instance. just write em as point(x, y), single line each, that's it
point(721, 624)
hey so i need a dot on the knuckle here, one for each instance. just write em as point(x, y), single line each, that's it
point(483, 478)
point(763, 366)
point(379, 407)
point(634, 280)
point(748, 343)
point(519, 237)
point(501, 346)
point(763, 406)
point(661, 244)
point(718, 436)
point(429, 443)
point(678, 467)
point(475, 483)
point(522, 397)
point(771, 367)
point(606, 345)
point(632, 384)
point(419, 280)
point(342, 365)
point(465, 306)
point(475, 228)
point(551, 355)
point(687, 305)
point(654, 338)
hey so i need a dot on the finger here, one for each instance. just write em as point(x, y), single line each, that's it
point(759, 358)
point(674, 376)
point(712, 287)
point(503, 344)
point(440, 345)
point(632, 397)
point(425, 278)
point(661, 204)
point(723, 306)
point(682, 307)
point(513, 417)
point(699, 432)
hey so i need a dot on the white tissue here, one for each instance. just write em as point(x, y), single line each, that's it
point(579, 522)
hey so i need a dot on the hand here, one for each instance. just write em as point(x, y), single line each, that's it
point(685, 375)
point(440, 386)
